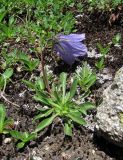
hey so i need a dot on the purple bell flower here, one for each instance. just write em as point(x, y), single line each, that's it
point(69, 47)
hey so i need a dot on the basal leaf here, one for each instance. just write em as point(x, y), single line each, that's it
point(63, 78)
point(86, 106)
point(8, 73)
point(2, 117)
point(76, 119)
point(46, 122)
point(42, 99)
point(18, 135)
point(73, 88)
point(31, 136)
point(45, 114)
point(29, 84)
point(20, 145)
point(67, 129)
point(40, 84)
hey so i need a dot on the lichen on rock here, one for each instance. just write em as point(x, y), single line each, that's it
point(108, 123)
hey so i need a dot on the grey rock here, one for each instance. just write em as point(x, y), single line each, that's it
point(108, 123)
point(104, 76)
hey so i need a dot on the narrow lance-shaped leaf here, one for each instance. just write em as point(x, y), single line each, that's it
point(45, 114)
point(86, 106)
point(67, 129)
point(8, 73)
point(29, 84)
point(63, 77)
point(2, 117)
point(73, 88)
point(41, 97)
point(77, 119)
point(31, 136)
point(2, 15)
point(18, 135)
point(46, 122)
point(40, 84)
point(20, 145)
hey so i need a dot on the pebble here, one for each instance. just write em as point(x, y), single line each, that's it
point(7, 140)
point(36, 158)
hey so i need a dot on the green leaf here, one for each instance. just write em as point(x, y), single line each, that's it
point(8, 73)
point(73, 88)
point(57, 96)
point(31, 64)
point(23, 57)
point(40, 84)
point(68, 129)
point(47, 113)
point(100, 47)
point(63, 78)
point(20, 145)
point(67, 97)
point(46, 122)
point(2, 15)
point(118, 37)
point(86, 78)
point(100, 64)
point(75, 112)
point(86, 106)
point(2, 117)
point(31, 137)
point(76, 118)
point(29, 84)
point(103, 50)
point(85, 71)
point(5, 131)
point(19, 135)
point(42, 98)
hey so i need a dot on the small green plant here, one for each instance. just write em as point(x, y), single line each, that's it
point(100, 64)
point(15, 56)
point(23, 137)
point(103, 50)
point(8, 30)
point(38, 85)
point(5, 123)
point(60, 104)
point(5, 77)
point(29, 64)
point(104, 4)
point(85, 77)
point(116, 40)
point(9, 59)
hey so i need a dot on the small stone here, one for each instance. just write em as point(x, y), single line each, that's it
point(22, 94)
point(36, 158)
point(16, 123)
point(79, 16)
point(46, 147)
point(19, 69)
point(7, 140)
point(93, 152)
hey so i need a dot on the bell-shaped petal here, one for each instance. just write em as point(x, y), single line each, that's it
point(68, 47)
